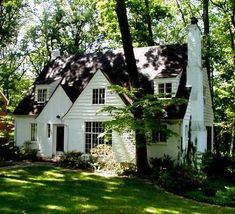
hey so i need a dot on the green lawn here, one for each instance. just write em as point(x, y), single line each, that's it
point(47, 189)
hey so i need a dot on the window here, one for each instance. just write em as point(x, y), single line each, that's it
point(48, 130)
point(186, 132)
point(98, 96)
point(165, 90)
point(92, 131)
point(33, 132)
point(42, 95)
point(160, 136)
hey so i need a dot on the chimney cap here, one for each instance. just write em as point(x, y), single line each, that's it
point(194, 20)
point(55, 53)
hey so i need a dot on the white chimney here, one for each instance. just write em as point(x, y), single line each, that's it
point(195, 80)
point(55, 53)
point(194, 43)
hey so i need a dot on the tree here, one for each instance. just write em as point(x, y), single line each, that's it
point(206, 41)
point(70, 26)
point(12, 55)
point(143, 17)
point(141, 144)
point(10, 15)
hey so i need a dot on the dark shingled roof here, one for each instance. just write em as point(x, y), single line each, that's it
point(76, 71)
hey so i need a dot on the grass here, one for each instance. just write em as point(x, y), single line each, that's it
point(48, 189)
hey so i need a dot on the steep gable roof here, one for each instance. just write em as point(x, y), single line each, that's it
point(76, 71)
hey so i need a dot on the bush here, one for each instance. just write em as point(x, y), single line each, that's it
point(218, 165)
point(75, 160)
point(215, 192)
point(126, 169)
point(180, 179)
point(103, 157)
point(158, 165)
point(8, 151)
point(27, 152)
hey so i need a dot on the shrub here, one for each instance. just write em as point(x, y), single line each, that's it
point(126, 169)
point(103, 157)
point(160, 164)
point(180, 179)
point(215, 192)
point(27, 152)
point(8, 151)
point(75, 160)
point(226, 196)
point(217, 164)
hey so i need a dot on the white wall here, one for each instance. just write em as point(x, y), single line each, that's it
point(84, 111)
point(123, 147)
point(195, 79)
point(23, 129)
point(171, 147)
point(208, 111)
point(59, 104)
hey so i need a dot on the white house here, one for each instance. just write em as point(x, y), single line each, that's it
point(59, 113)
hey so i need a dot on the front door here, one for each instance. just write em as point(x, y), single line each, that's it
point(60, 139)
point(209, 138)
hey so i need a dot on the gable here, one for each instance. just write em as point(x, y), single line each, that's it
point(83, 106)
point(55, 107)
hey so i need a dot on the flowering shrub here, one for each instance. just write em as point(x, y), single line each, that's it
point(103, 157)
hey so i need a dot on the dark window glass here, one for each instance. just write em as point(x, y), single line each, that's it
point(93, 130)
point(98, 96)
point(160, 136)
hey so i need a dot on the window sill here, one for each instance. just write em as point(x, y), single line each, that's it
point(34, 141)
point(158, 143)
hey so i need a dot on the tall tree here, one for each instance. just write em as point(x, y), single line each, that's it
point(70, 26)
point(10, 15)
point(143, 16)
point(12, 59)
point(206, 39)
point(141, 144)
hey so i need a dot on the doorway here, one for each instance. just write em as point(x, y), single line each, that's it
point(59, 138)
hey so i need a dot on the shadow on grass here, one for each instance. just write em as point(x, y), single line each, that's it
point(49, 189)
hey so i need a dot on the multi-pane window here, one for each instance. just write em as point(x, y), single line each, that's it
point(92, 132)
point(42, 95)
point(33, 132)
point(98, 96)
point(48, 130)
point(165, 90)
point(160, 135)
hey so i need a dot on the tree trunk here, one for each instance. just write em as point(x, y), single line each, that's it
point(206, 41)
point(141, 146)
point(149, 24)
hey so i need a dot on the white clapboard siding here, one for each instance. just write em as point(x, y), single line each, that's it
point(58, 105)
point(52, 87)
point(123, 147)
point(208, 111)
point(83, 107)
point(83, 111)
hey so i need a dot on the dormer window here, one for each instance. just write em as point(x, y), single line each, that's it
point(42, 95)
point(98, 96)
point(165, 90)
